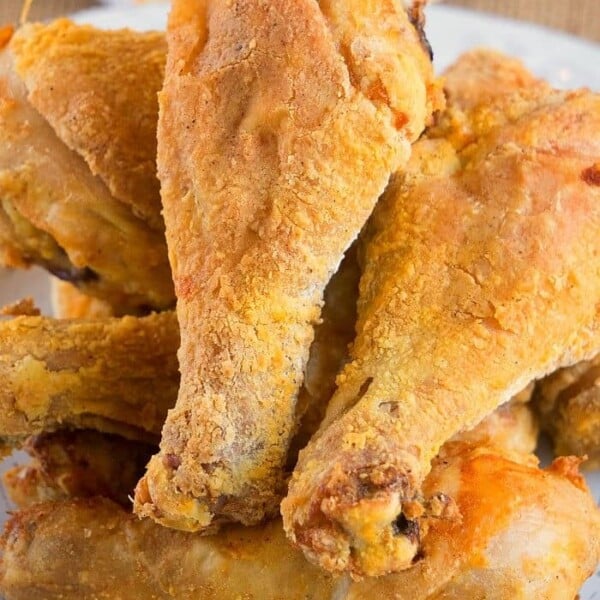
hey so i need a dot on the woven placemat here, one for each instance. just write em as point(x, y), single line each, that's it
point(581, 17)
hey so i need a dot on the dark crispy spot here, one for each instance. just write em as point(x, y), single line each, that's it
point(373, 478)
point(73, 274)
point(172, 461)
point(409, 529)
point(218, 503)
point(417, 18)
point(591, 175)
point(364, 388)
point(390, 407)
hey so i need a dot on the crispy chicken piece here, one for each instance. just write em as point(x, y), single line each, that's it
point(280, 125)
point(75, 198)
point(98, 91)
point(482, 272)
point(541, 540)
point(568, 403)
point(72, 464)
point(484, 88)
point(113, 375)
point(479, 76)
point(68, 302)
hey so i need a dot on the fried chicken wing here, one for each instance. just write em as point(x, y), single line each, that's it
point(79, 202)
point(76, 464)
point(568, 403)
point(114, 375)
point(482, 273)
point(522, 533)
point(280, 124)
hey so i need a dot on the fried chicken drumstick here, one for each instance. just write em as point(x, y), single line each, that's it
point(481, 273)
point(568, 403)
point(115, 375)
point(539, 541)
point(280, 124)
point(78, 186)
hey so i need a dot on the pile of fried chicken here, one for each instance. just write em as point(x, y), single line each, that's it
point(315, 305)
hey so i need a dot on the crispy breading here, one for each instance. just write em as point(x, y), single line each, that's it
point(568, 403)
point(482, 272)
point(54, 211)
point(479, 76)
point(540, 541)
point(77, 464)
point(484, 88)
point(98, 91)
point(114, 375)
point(280, 124)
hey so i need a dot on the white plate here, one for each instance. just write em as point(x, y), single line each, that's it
point(563, 60)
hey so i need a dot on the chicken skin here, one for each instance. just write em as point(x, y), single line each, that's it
point(481, 273)
point(280, 124)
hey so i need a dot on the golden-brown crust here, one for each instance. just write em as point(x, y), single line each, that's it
point(54, 212)
point(481, 274)
point(568, 403)
point(540, 541)
point(98, 90)
point(280, 124)
point(484, 88)
point(114, 375)
point(480, 76)
point(77, 464)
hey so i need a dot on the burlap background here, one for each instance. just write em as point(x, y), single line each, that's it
point(581, 17)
